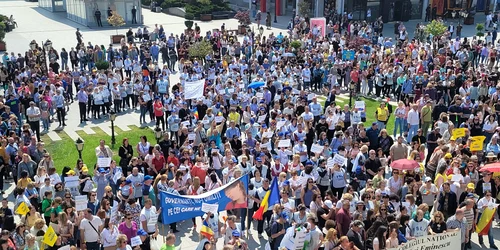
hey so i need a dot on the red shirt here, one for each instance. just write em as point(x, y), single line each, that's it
point(158, 108)
point(197, 171)
point(342, 217)
point(174, 160)
point(158, 163)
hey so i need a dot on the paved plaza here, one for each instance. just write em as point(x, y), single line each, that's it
point(39, 25)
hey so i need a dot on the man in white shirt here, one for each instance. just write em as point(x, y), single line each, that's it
point(413, 122)
point(149, 211)
point(34, 115)
point(90, 228)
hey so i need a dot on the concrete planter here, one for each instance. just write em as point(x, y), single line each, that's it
point(116, 38)
point(3, 46)
point(205, 17)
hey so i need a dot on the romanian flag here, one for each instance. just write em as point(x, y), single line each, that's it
point(206, 231)
point(272, 197)
point(195, 113)
point(485, 221)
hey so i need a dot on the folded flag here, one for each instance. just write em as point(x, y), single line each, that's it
point(271, 198)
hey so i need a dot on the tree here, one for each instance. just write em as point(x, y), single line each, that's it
point(200, 49)
point(116, 20)
point(304, 7)
point(480, 28)
point(435, 28)
point(243, 18)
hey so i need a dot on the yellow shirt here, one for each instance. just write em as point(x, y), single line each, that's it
point(437, 176)
point(234, 117)
point(23, 183)
point(382, 114)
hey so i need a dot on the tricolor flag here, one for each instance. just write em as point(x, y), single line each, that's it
point(485, 221)
point(206, 230)
point(195, 113)
point(271, 198)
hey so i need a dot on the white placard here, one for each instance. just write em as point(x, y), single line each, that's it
point(268, 134)
point(117, 176)
point(114, 212)
point(71, 181)
point(219, 119)
point(316, 148)
point(360, 105)
point(185, 123)
point(266, 145)
point(230, 91)
point(330, 162)
point(194, 90)
point(457, 178)
point(81, 202)
point(153, 219)
point(212, 208)
point(280, 124)
point(259, 95)
point(300, 238)
point(262, 118)
point(311, 96)
point(242, 86)
point(135, 241)
point(103, 162)
point(406, 204)
point(191, 136)
point(284, 143)
point(295, 92)
point(67, 247)
point(339, 159)
point(448, 241)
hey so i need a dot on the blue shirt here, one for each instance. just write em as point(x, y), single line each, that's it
point(231, 132)
point(14, 105)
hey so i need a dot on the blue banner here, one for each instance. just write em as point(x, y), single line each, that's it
point(182, 207)
point(348, 55)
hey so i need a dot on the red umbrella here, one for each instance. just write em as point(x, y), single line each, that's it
point(405, 164)
point(492, 167)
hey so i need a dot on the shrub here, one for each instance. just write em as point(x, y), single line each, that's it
point(243, 18)
point(200, 49)
point(172, 3)
point(146, 2)
point(435, 28)
point(189, 16)
point(102, 65)
point(296, 44)
point(189, 24)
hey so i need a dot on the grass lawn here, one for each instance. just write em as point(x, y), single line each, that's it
point(371, 108)
point(64, 152)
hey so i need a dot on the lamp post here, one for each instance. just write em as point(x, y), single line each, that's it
point(158, 134)
point(112, 117)
point(352, 88)
point(45, 49)
point(79, 146)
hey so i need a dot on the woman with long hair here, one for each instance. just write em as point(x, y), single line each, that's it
point(66, 229)
point(437, 224)
point(19, 236)
point(380, 238)
point(30, 218)
point(306, 195)
point(195, 189)
point(330, 241)
point(109, 235)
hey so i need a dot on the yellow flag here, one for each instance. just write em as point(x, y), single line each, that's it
point(477, 143)
point(50, 237)
point(458, 132)
point(22, 209)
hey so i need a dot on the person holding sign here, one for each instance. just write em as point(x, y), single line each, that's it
point(109, 235)
point(149, 218)
point(122, 243)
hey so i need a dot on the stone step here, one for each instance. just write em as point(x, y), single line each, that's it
point(106, 129)
point(54, 136)
point(72, 134)
point(88, 130)
point(123, 127)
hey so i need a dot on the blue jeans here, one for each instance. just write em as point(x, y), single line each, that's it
point(412, 132)
point(92, 246)
point(45, 123)
point(381, 125)
point(490, 234)
point(400, 124)
point(144, 110)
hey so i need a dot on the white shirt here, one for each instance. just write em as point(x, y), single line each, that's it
point(145, 216)
point(413, 117)
point(108, 239)
point(91, 235)
point(35, 112)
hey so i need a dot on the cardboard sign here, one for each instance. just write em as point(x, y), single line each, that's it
point(135, 241)
point(284, 143)
point(360, 105)
point(153, 219)
point(117, 176)
point(477, 143)
point(259, 95)
point(266, 145)
point(186, 123)
point(114, 212)
point(280, 124)
point(50, 237)
point(316, 148)
point(22, 209)
point(72, 181)
point(103, 162)
point(311, 96)
point(212, 208)
point(330, 162)
point(338, 159)
point(191, 136)
point(268, 134)
point(219, 119)
point(300, 238)
point(458, 132)
point(81, 202)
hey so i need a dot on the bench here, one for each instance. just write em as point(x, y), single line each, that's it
point(220, 16)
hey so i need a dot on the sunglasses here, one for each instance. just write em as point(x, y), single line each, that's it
point(93, 195)
point(383, 209)
point(129, 218)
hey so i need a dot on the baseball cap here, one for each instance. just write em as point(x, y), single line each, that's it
point(141, 232)
point(329, 203)
point(236, 233)
point(148, 177)
point(128, 181)
point(448, 156)
point(471, 185)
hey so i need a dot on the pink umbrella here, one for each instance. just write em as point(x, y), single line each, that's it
point(405, 164)
point(492, 168)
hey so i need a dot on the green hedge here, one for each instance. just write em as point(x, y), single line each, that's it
point(197, 10)
point(172, 3)
point(146, 2)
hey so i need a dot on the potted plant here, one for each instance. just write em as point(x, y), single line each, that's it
point(116, 21)
point(480, 28)
point(296, 45)
point(205, 8)
point(102, 65)
point(435, 28)
point(243, 18)
point(189, 22)
point(3, 45)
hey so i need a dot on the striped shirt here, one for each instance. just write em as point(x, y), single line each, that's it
point(469, 216)
point(454, 223)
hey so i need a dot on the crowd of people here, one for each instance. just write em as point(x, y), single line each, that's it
point(259, 90)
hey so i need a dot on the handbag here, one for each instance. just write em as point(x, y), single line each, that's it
point(88, 186)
